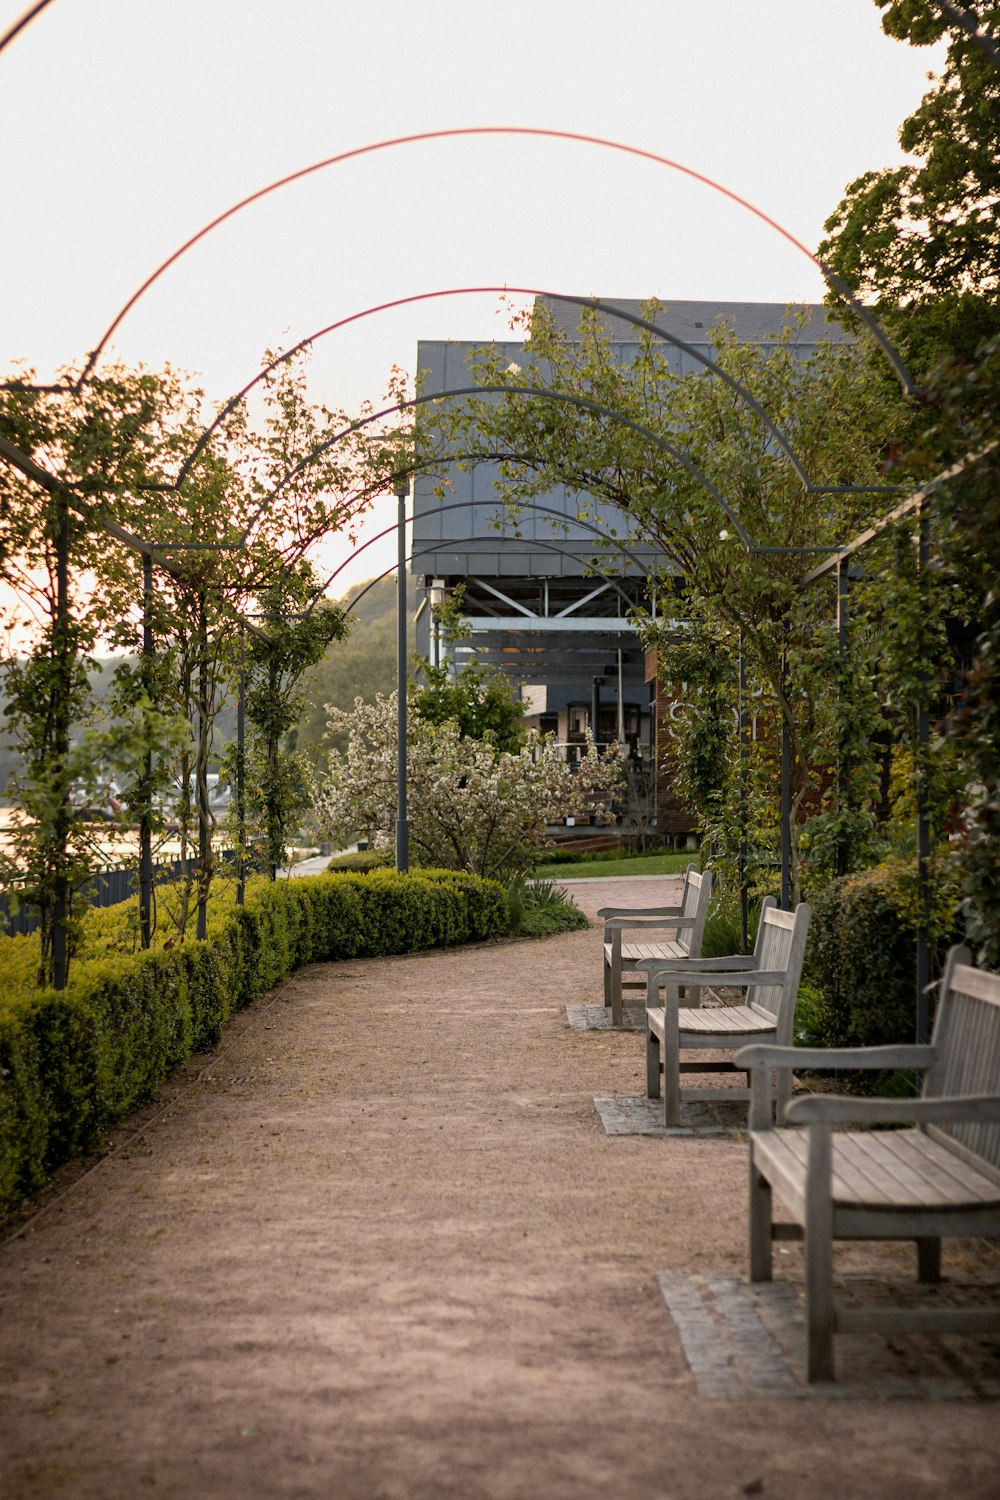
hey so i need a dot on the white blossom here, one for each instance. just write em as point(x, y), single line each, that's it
point(469, 807)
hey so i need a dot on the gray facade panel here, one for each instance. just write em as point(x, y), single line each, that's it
point(471, 513)
point(751, 322)
point(467, 519)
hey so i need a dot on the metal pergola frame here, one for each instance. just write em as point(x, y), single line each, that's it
point(151, 555)
point(833, 281)
point(29, 467)
point(595, 304)
point(917, 504)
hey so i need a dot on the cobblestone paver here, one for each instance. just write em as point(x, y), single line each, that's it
point(634, 1114)
point(598, 1017)
point(741, 1340)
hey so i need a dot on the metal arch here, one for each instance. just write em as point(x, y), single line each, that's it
point(25, 19)
point(833, 281)
point(592, 302)
point(469, 505)
point(27, 466)
point(487, 390)
point(545, 546)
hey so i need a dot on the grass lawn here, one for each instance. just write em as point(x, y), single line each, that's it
point(639, 864)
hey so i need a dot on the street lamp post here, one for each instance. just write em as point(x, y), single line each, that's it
point(402, 489)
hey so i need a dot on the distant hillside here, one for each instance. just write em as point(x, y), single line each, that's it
point(361, 666)
point(100, 680)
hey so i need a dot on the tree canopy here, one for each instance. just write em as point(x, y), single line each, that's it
point(481, 702)
point(231, 511)
point(922, 241)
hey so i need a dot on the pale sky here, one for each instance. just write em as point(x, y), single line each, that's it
point(125, 125)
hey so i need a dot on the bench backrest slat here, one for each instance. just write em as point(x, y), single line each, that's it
point(783, 946)
point(967, 1049)
point(763, 929)
point(695, 903)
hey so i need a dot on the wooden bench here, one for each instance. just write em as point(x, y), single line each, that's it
point(685, 921)
point(770, 975)
point(939, 1177)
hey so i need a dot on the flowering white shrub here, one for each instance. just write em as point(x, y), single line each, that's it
point(469, 807)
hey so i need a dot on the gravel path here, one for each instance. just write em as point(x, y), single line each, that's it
point(379, 1247)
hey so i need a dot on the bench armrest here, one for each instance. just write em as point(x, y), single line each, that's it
point(648, 924)
point(674, 978)
point(760, 1059)
point(768, 1055)
point(640, 911)
point(735, 964)
point(832, 1109)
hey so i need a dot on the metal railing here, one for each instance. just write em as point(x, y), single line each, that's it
point(108, 887)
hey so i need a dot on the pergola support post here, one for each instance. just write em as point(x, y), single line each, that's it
point(201, 780)
point(923, 818)
point(146, 784)
point(241, 807)
point(786, 799)
point(60, 698)
point(744, 731)
point(275, 829)
point(843, 764)
point(402, 487)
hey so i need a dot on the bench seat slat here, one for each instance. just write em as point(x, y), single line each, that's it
point(633, 953)
point(738, 1021)
point(874, 1173)
point(726, 1020)
point(868, 1172)
point(937, 1159)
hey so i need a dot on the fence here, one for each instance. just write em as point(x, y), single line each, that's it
point(105, 888)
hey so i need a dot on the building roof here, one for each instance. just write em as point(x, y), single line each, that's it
point(752, 322)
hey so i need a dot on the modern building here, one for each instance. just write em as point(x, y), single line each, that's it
point(546, 599)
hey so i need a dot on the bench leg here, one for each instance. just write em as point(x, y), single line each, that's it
point(761, 1210)
point(615, 979)
point(819, 1307)
point(818, 1238)
point(929, 1260)
point(671, 1088)
point(671, 1058)
point(652, 1065)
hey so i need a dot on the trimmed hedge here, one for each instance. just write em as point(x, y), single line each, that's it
point(72, 1062)
point(361, 862)
point(863, 957)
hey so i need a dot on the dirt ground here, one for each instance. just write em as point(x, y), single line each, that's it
point(379, 1247)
